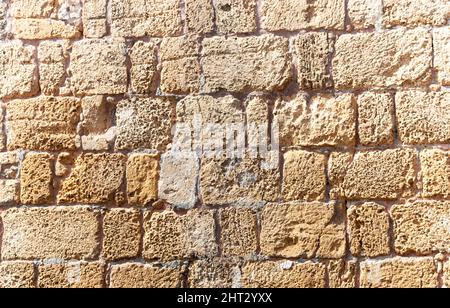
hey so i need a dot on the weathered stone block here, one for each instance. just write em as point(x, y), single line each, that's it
point(52, 71)
point(199, 16)
point(136, 275)
point(342, 274)
point(16, 275)
point(215, 273)
point(143, 67)
point(142, 179)
point(72, 275)
point(94, 18)
point(9, 192)
point(435, 173)
point(235, 16)
point(441, 44)
point(238, 232)
point(36, 179)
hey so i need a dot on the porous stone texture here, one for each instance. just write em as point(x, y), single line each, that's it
point(36, 179)
point(304, 176)
point(365, 14)
point(368, 230)
point(421, 227)
point(435, 173)
point(52, 70)
point(373, 175)
point(16, 274)
point(384, 59)
point(71, 275)
point(376, 118)
point(441, 44)
point(235, 16)
point(94, 18)
point(399, 273)
point(144, 123)
point(143, 67)
point(169, 236)
point(245, 63)
point(292, 15)
point(142, 179)
point(48, 233)
point(422, 116)
point(121, 234)
point(136, 275)
point(9, 192)
point(199, 16)
point(342, 274)
point(306, 230)
point(322, 120)
point(216, 273)
point(238, 232)
point(283, 274)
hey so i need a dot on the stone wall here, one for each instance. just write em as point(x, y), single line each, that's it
point(95, 191)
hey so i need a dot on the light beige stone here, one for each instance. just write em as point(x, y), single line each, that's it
point(136, 275)
point(365, 14)
point(399, 273)
point(441, 44)
point(105, 61)
point(52, 67)
point(383, 59)
point(283, 274)
point(121, 234)
point(376, 119)
point(36, 179)
point(303, 230)
point(199, 16)
point(304, 176)
point(238, 232)
point(421, 227)
point(95, 179)
point(143, 67)
point(94, 18)
point(43, 123)
point(142, 179)
point(2, 129)
point(32, 8)
point(9, 192)
point(40, 29)
point(145, 123)
point(435, 173)
point(3, 20)
point(368, 230)
point(16, 274)
point(49, 233)
point(169, 236)
point(423, 117)
point(292, 15)
point(342, 274)
point(72, 275)
point(18, 70)
point(415, 12)
point(235, 16)
point(146, 18)
point(180, 67)
point(379, 175)
point(215, 273)
point(322, 120)
point(313, 55)
point(245, 63)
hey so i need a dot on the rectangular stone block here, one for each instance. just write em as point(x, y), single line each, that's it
point(199, 16)
point(16, 274)
point(399, 273)
point(146, 18)
point(235, 16)
point(423, 117)
point(245, 63)
point(49, 233)
point(36, 179)
point(342, 274)
point(169, 236)
point(379, 175)
point(143, 67)
point(303, 230)
point(78, 275)
point(105, 60)
point(321, 120)
point(383, 59)
point(435, 173)
point(304, 176)
point(421, 227)
point(441, 44)
point(238, 232)
point(9, 192)
point(142, 179)
point(43, 123)
point(365, 14)
point(283, 274)
point(94, 179)
point(136, 275)
point(292, 15)
point(18, 70)
point(94, 18)
point(215, 273)
point(52, 71)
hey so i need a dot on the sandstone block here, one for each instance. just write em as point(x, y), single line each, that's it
point(245, 63)
point(376, 118)
point(36, 179)
point(142, 179)
point(143, 67)
point(52, 232)
point(199, 16)
point(399, 273)
point(145, 123)
point(388, 174)
point(342, 274)
point(441, 43)
point(365, 14)
point(105, 61)
point(423, 116)
point(421, 227)
point(72, 275)
point(216, 273)
point(135, 275)
point(283, 274)
point(94, 18)
point(43, 123)
point(292, 15)
point(383, 59)
point(368, 230)
point(235, 16)
point(435, 173)
point(238, 232)
point(16, 275)
point(169, 236)
point(121, 234)
point(306, 230)
point(9, 192)
point(52, 67)
point(95, 179)
point(304, 176)
point(318, 121)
